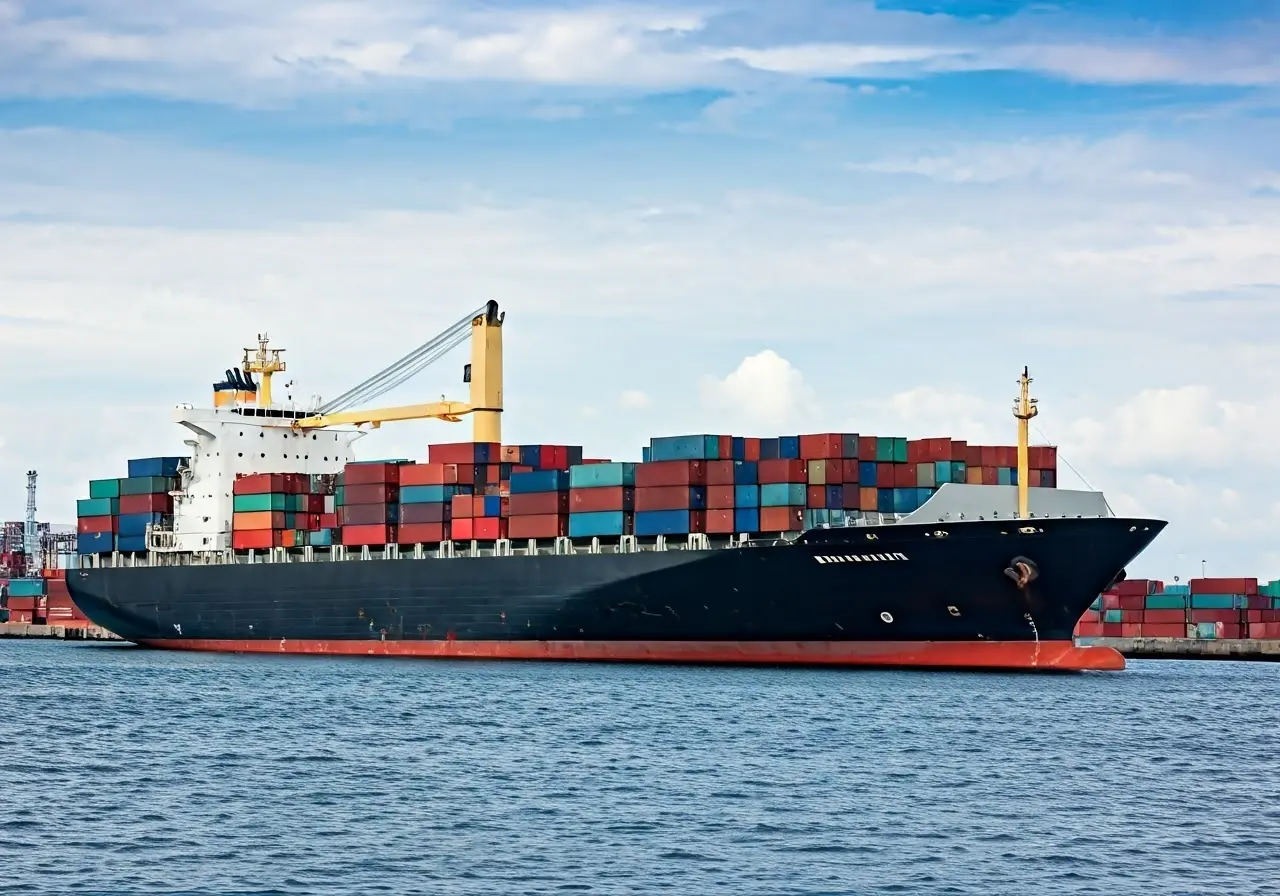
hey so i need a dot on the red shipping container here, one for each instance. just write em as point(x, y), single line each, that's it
point(368, 535)
point(374, 493)
point(671, 497)
point(315, 504)
point(671, 472)
point(1112, 630)
point(540, 504)
point(422, 474)
point(462, 452)
point(422, 533)
point(781, 519)
point(849, 472)
point(510, 454)
point(823, 446)
point(720, 522)
point(1110, 601)
point(489, 528)
point(154, 503)
point(990, 476)
point(595, 500)
point(1224, 616)
point(21, 616)
point(720, 497)
point(1131, 630)
point(255, 539)
point(726, 447)
point(905, 475)
point(22, 603)
point(92, 525)
point(1165, 617)
point(1042, 457)
point(370, 474)
point(972, 456)
point(461, 507)
point(258, 484)
point(462, 528)
point(868, 499)
point(816, 497)
point(752, 449)
point(329, 521)
point(916, 451)
point(465, 474)
point(417, 514)
point(777, 470)
point(867, 448)
point(1231, 631)
point(540, 526)
point(959, 451)
point(1129, 587)
point(1091, 616)
point(1164, 630)
point(1089, 629)
point(363, 515)
point(489, 474)
point(885, 475)
point(719, 472)
point(1132, 602)
point(1130, 615)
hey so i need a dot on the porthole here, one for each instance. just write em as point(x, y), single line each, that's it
point(954, 611)
point(886, 617)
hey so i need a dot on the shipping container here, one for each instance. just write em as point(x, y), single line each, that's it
point(823, 472)
point(602, 475)
point(147, 485)
point(423, 474)
point(96, 542)
point(480, 528)
point(601, 499)
point(255, 539)
point(143, 467)
point(259, 503)
point(26, 587)
point(782, 494)
point(131, 544)
point(721, 497)
point(772, 472)
point(365, 515)
point(423, 532)
point(465, 453)
point(419, 513)
point(550, 503)
point(720, 521)
point(696, 447)
point(104, 488)
point(603, 524)
point(781, 519)
point(98, 507)
point(1202, 601)
point(672, 473)
point(1223, 586)
point(87, 525)
point(539, 526)
point(541, 481)
point(430, 494)
point(746, 519)
point(372, 535)
point(746, 496)
point(152, 503)
point(671, 498)
point(668, 522)
point(135, 525)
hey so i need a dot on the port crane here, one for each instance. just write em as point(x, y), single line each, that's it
point(483, 327)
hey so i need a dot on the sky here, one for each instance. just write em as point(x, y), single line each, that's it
point(760, 218)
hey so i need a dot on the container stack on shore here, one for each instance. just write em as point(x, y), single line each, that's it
point(1202, 609)
point(117, 512)
point(41, 600)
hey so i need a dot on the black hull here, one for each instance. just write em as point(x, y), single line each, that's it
point(833, 586)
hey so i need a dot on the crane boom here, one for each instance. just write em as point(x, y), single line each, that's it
point(484, 373)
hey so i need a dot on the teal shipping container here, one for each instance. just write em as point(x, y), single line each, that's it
point(1111, 615)
point(320, 538)
point(1004, 476)
point(602, 524)
point(431, 494)
point(1206, 630)
point(1217, 601)
point(340, 492)
point(945, 471)
point(147, 485)
point(104, 488)
point(700, 447)
point(602, 475)
point(98, 507)
point(782, 494)
point(1175, 589)
point(1097, 603)
point(264, 503)
point(26, 587)
point(891, 449)
point(1166, 601)
point(746, 496)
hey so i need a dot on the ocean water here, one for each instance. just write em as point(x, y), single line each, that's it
point(126, 771)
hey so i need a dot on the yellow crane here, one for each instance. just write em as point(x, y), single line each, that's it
point(482, 327)
point(1024, 409)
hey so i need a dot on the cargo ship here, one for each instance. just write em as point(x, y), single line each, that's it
point(271, 538)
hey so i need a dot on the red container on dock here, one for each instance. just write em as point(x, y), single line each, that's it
point(541, 504)
point(671, 473)
point(779, 470)
point(1165, 617)
point(593, 500)
point(1163, 630)
point(359, 535)
point(541, 526)
point(160, 502)
point(422, 533)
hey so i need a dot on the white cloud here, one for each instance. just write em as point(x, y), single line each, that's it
point(764, 390)
point(634, 400)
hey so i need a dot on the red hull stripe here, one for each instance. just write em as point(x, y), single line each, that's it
point(1048, 655)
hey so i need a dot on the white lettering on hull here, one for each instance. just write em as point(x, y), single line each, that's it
point(859, 558)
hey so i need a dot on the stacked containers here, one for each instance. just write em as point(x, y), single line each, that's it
point(370, 508)
point(539, 505)
point(603, 499)
point(426, 499)
point(1202, 609)
point(27, 600)
point(998, 465)
point(733, 497)
point(273, 510)
point(117, 512)
point(60, 609)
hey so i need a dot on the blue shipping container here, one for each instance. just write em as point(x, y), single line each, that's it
point(602, 475)
point(431, 494)
point(492, 506)
point(884, 500)
point(769, 449)
point(739, 448)
point(661, 522)
point(1003, 476)
point(923, 495)
point(746, 496)
point(539, 481)
point(531, 456)
point(136, 523)
point(789, 447)
point(905, 500)
point(835, 496)
point(95, 543)
point(132, 544)
point(26, 587)
point(746, 472)
point(604, 524)
point(700, 447)
point(782, 494)
point(154, 466)
point(644, 455)
point(320, 538)
point(867, 473)
point(747, 519)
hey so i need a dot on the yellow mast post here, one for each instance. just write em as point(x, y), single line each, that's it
point(486, 374)
point(264, 362)
point(1024, 409)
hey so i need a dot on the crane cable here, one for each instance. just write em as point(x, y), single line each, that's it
point(405, 368)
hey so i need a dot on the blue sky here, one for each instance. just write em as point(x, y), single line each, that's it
point(725, 216)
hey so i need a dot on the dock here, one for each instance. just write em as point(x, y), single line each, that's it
point(1191, 648)
point(57, 632)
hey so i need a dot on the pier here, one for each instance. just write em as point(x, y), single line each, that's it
point(1190, 648)
point(57, 632)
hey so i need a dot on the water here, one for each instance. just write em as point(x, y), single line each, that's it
point(135, 772)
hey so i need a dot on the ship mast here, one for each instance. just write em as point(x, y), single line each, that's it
point(264, 361)
point(1024, 409)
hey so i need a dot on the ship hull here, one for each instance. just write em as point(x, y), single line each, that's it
point(900, 595)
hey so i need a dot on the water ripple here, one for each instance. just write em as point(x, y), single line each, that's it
point(135, 772)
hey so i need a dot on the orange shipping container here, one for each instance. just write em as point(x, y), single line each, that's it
point(781, 519)
point(263, 519)
point(424, 474)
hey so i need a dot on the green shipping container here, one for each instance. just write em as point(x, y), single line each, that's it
point(338, 494)
point(1111, 615)
point(104, 488)
point(146, 485)
point(258, 503)
point(298, 503)
point(1166, 602)
point(98, 507)
point(890, 449)
point(1213, 602)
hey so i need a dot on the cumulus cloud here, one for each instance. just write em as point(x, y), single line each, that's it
point(634, 400)
point(764, 390)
